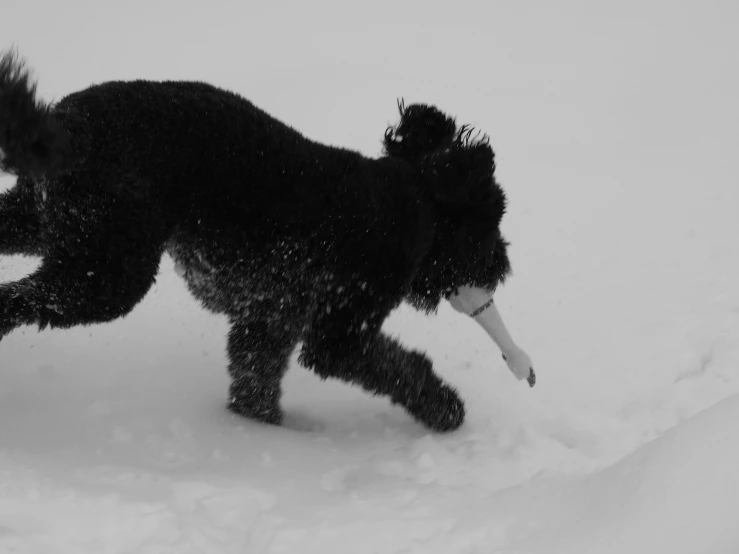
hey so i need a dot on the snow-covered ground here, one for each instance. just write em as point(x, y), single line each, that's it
point(616, 133)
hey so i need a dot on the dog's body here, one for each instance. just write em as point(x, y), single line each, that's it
point(292, 240)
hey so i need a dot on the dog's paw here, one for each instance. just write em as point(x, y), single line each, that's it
point(271, 415)
point(440, 410)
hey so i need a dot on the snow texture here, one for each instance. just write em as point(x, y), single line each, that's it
point(615, 133)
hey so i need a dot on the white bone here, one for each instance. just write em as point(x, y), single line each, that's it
point(470, 299)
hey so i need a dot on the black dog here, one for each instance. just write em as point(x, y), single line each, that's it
point(292, 240)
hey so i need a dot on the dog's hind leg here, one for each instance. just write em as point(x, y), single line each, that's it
point(94, 275)
point(258, 351)
point(19, 221)
point(65, 293)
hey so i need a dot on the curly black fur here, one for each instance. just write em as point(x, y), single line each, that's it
point(292, 240)
point(458, 171)
point(422, 129)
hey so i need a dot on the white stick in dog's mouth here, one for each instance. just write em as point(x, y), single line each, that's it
point(477, 303)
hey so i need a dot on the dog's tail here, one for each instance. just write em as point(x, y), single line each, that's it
point(31, 140)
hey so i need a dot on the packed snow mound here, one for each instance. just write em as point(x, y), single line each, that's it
point(677, 494)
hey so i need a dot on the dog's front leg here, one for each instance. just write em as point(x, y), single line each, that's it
point(384, 367)
point(259, 349)
point(344, 342)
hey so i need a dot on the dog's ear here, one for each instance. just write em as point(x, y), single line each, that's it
point(421, 130)
point(461, 180)
point(463, 172)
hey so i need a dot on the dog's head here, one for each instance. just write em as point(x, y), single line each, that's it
point(457, 168)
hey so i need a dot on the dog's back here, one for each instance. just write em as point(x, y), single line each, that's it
point(209, 155)
point(197, 144)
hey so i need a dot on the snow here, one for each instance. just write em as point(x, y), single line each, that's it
point(615, 131)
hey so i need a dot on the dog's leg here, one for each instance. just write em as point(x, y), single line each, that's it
point(68, 291)
point(344, 342)
point(386, 368)
point(19, 222)
point(258, 352)
point(101, 256)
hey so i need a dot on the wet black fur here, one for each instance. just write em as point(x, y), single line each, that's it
point(294, 241)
